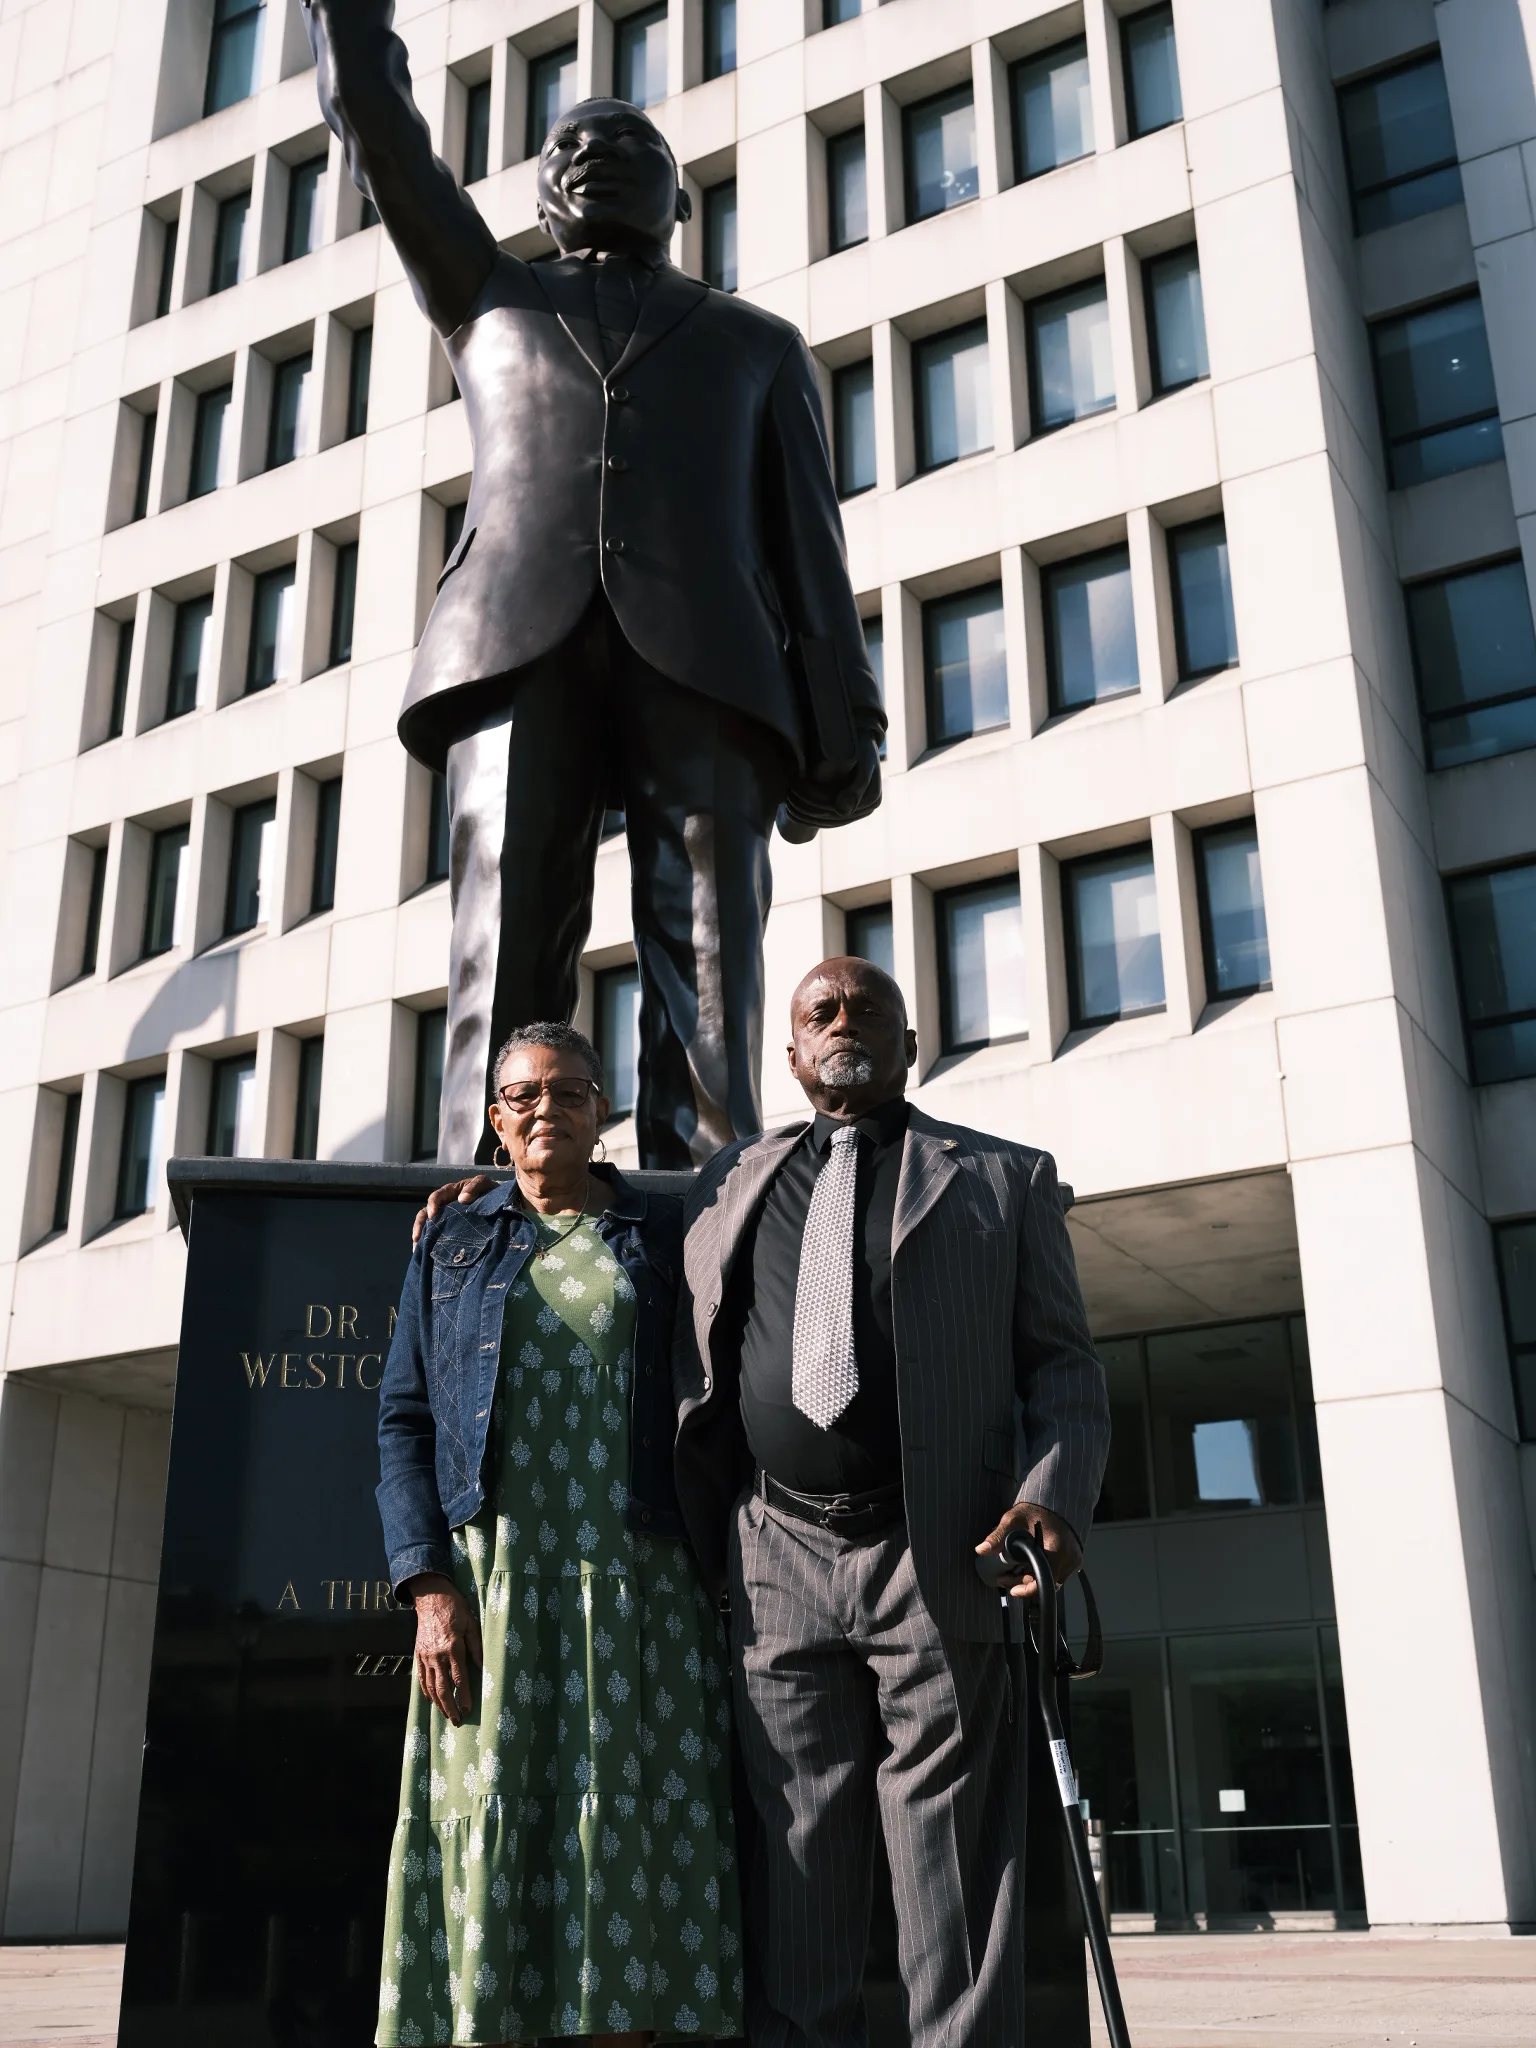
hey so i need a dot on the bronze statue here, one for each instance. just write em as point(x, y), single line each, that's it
point(649, 606)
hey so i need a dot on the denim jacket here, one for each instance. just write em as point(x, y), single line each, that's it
point(440, 1378)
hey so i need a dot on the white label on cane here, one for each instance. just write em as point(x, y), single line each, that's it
point(1065, 1781)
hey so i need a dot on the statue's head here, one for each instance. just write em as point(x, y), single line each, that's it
point(608, 180)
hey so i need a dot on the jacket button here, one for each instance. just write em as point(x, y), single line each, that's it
point(645, 1514)
point(619, 394)
point(617, 464)
point(614, 545)
point(711, 1307)
point(650, 1372)
point(646, 1441)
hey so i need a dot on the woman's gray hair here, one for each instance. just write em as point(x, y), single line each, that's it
point(557, 1038)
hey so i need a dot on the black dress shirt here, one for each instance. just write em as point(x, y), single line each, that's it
point(862, 1449)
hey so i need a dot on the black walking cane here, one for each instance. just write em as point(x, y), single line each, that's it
point(1029, 1555)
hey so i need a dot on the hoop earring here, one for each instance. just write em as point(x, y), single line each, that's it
point(600, 1151)
point(501, 1156)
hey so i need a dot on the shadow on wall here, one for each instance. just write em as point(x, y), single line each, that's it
point(187, 1002)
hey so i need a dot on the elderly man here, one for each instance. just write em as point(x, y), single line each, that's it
point(873, 1299)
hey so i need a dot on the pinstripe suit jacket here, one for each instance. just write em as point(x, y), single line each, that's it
point(992, 1354)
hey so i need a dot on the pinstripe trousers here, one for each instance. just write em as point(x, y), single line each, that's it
point(848, 1697)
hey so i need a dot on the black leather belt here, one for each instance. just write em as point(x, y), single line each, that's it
point(844, 1514)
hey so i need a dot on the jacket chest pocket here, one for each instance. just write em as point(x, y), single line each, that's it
point(453, 1259)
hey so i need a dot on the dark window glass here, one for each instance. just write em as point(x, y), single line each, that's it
point(306, 205)
point(853, 435)
point(1475, 655)
point(1151, 68)
point(169, 239)
point(835, 11)
point(1090, 629)
point(368, 216)
point(551, 93)
point(719, 37)
point(1399, 145)
point(874, 642)
point(847, 190)
point(1223, 1428)
point(1306, 1410)
point(1204, 628)
point(271, 628)
point(1516, 1244)
point(965, 664)
point(640, 57)
point(146, 465)
point(139, 1162)
point(612, 825)
point(439, 841)
point(322, 890)
point(1052, 108)
point(870, 935)
point(252, 832)
point(69, 1141)
point(343, 603)
point(306, 1115)
point(952, 392)
point(1346, 1825)
point(1071, 367)
point(1126, 1494)
point(122, 662)
point(189, 637)
point(208, 440)
point(427, 1095)
point(1232, 921)
point(981, 965)
point(477, 131)
point(232, 1108)
point(290, 390)
point(940, 153)
point(1120, 1751)
point(1438, 406)
point(1176, 319)
point(234, 57)
point(720, 236)
point(1493, 922)
point(618, 1036)
point(1114, 938)
point(229, 242)
point(98, 888)
point(167, 867)
point(453, 526)
point(359, 372)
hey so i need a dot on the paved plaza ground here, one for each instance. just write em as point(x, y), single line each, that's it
point(1181, 1991)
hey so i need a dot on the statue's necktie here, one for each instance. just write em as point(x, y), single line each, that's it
point(825, 1372)
point(618, 303)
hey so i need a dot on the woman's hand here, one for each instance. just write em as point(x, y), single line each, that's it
point(447, 1644)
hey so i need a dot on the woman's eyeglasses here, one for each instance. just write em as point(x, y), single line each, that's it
point(525, 1096)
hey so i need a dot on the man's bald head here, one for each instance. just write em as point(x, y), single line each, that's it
point(850, 1044)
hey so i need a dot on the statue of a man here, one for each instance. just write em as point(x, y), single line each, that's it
point(649, 605)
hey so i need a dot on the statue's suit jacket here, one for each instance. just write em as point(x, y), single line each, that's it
point(992, 1350)
point(691, 480)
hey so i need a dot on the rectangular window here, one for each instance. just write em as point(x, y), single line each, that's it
point(122, 662)
point(252, 833)
point(439, 834)
point(427, 1094)
point(69, 1144)
point(640, 57)
point(1175, 319)
point(91, 942)
point(551, 93)
point(229, 242)
point(322, 889)
point(1071, 366)
point(618, 1036)
point(369, 217)
point(1516, 1243)
point(272, 608)
point(874, 646)
point(189, 638)
point(343, 603)
point(232, 1109)
point(1125, 1495)
point(234, 57)
point(1493, 925)
point(853, 431)
point(1052, 108)
point(1233, 928)
point(290, 392)
point(847, 191)
point(306, 1115)
point(952, 394)
point(1223, 1420)
point(719, 37)
point(1114, 939)
point(1399, 145)
point(1439, 409)
point(167, 891)
point(453, 526)
point(1150, 65)
point(477, 131)
point(834, 12)
point(359, 373)
point(170, 237)
point(145, 470)
point(139, 1161)
point(1475, 656)
point(208, 440)
point(940, 152)
point(1090, 629)
point(720, 236)
point(965, 664)
point(981, 965)
point(306, 209)
point(1204, 627)
point(870, 935)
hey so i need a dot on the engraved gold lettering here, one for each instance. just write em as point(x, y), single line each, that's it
point(341, 1358)
point(330, 1586)
point(289, 1599)
point(364, 1357)
point(311, 1310)
point(358, 1597)
point(394, 1317)
point(314, 1367)
point(362, 1665)
point(347, 1325)
point(256, 1373)
point(384, 1596)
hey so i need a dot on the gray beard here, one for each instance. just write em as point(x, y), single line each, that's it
point(854, 1069)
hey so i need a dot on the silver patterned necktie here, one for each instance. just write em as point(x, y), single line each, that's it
point(825, 1370)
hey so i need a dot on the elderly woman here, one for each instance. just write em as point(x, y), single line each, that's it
point(563, 1864)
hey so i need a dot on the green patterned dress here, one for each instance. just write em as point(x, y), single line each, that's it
point(564, 1862)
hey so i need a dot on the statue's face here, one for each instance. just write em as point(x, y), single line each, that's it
point(607, 179)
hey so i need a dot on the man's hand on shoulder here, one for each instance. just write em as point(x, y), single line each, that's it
point(469, 1190)
point(1050, 1531)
